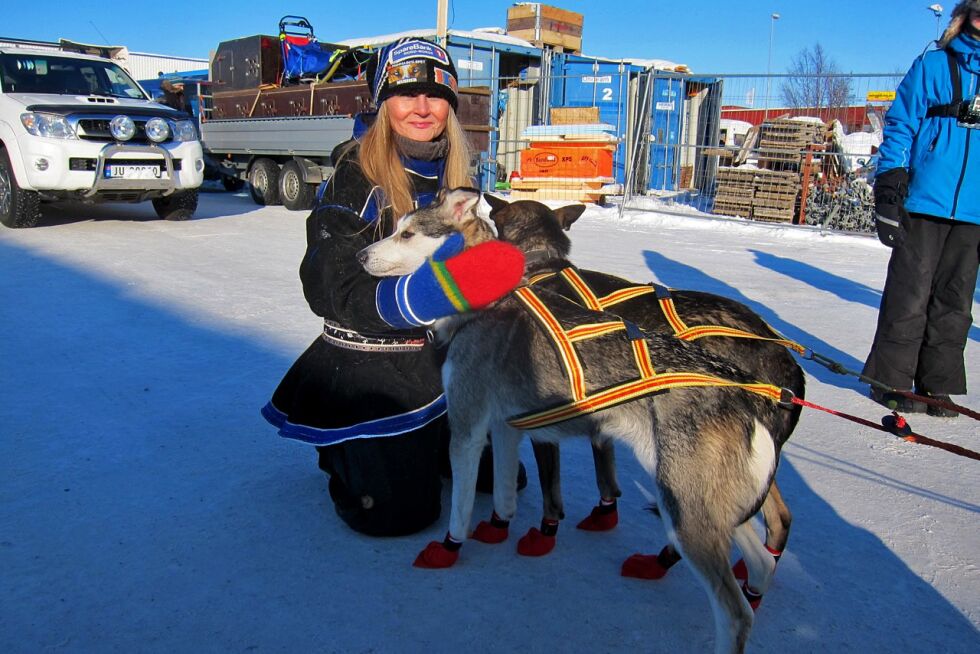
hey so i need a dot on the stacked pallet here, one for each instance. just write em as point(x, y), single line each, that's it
point(757, 193)
point(782, 142)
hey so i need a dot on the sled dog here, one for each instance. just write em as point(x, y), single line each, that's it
point(708, 448)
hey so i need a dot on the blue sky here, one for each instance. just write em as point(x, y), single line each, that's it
point(865, 36)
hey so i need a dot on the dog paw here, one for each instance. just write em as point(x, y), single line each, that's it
point(486, 532)
point(436, 556)
point(534, 543)
point(600, 519)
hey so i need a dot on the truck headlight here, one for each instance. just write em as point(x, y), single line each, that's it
point(157, 130)
point(122, 128)
point(184, 130)
point(48, 125)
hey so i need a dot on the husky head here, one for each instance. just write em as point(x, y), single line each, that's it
point(419, 234)
point(532, 226)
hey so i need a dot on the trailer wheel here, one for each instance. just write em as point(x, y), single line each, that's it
point(18, 208)
point(296, 194)
point(263, 182)
point(178, 206)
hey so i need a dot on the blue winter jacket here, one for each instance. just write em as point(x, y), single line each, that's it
point(943, 159)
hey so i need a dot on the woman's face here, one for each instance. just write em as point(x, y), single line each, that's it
point(418, 117)
point(975, 18)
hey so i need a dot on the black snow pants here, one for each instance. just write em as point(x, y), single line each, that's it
point(925, 312)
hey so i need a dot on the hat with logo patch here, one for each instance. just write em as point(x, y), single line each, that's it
point(411, 66)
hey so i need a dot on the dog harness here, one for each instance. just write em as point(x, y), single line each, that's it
point(589, 299)
point(648, 381)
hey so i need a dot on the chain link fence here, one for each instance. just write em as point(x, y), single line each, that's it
point(729, 145)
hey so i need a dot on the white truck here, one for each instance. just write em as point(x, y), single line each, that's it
point(77, 127)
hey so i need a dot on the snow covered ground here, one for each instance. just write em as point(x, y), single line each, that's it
point(146, 506)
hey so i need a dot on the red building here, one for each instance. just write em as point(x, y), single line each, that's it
point(853, 118)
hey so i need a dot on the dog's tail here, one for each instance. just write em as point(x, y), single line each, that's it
point(649, 497)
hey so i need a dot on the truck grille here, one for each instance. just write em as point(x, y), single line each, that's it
point(97, 129)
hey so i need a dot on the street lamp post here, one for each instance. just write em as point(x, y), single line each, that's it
point(772, 28)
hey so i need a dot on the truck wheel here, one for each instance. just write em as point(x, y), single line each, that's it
point(178, 206)
point(18, 208)
point(296, 194)
point(232, 184)
point(263, 182)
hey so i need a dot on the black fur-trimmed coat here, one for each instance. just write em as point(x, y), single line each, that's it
point(377, 417)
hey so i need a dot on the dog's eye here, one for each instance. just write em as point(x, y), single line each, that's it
point(407, 235)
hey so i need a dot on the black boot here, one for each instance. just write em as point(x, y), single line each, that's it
point(896, 402)
point(939, 411)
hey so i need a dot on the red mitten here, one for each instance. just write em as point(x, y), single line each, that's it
point(471, 280)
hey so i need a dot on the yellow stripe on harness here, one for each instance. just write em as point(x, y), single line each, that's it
point(629, 391)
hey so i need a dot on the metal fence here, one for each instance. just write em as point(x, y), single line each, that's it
point(722, 144)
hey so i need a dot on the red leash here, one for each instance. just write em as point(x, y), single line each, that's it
point(899, 427)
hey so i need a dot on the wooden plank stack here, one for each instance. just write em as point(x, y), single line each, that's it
point(543, 25)
point(783, 141)
point(757, 193)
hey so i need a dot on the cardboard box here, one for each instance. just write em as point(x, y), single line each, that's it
point(574, 115)
point(546, 25)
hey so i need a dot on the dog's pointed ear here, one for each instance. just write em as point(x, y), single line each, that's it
point(496, 204)
point(569, 214)
point(461, 203)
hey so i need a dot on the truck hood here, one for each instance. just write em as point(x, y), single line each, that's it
point(92, 104)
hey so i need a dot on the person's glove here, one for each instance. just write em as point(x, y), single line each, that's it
point(450, 282)
point(891, 218)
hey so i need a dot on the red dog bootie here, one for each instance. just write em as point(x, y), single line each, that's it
point(493, 532)
point(647, 566)
point(438, 555)
point(754, 598)
point(538, 542)
point(603, 517)
point(742, 573)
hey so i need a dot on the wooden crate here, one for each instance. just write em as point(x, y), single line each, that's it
point(571, 189)
point(546, 25)
point(574, 115)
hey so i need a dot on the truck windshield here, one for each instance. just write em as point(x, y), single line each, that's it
point(34, 73)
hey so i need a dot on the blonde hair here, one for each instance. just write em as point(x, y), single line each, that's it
point(383, 168)
point(957, 21)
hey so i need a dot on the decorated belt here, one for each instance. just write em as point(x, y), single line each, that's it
point(353, 340)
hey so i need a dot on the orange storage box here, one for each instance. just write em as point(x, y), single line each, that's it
point(567, 160)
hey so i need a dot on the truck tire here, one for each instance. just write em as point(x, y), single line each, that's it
point(263, 182)
point(296, 194)
point(178, 206)
point(18, 208)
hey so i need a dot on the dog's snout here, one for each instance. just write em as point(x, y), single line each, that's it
point(362, 257)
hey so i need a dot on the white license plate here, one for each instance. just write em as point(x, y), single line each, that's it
point(117, 171)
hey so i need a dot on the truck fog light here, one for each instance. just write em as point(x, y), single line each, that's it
point(199, 165)
point(122, 128)
point(157, 130)
point(41, 163)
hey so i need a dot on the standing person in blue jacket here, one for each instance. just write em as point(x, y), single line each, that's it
point(927, 205)
point(368, 392)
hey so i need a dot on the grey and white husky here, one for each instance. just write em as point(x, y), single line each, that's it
point(710, 451)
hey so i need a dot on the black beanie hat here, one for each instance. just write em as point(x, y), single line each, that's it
point(412, 65)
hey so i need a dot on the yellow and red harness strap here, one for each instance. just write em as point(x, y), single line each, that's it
point(631, 391)
point(592, 301)
point(685, 333)
point(554, 329)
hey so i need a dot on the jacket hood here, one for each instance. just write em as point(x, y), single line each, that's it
point(967, 49)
